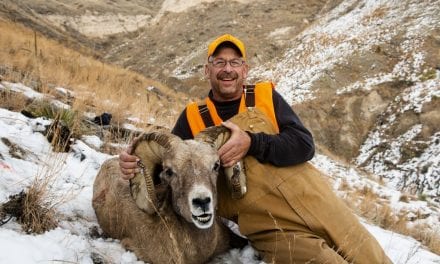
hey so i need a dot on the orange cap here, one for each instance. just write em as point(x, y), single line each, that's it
point(226, 38)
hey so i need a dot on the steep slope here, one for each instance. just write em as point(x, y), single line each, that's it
point(166, 39)
point(366, 76)
point(362, 74)
point(65, 183)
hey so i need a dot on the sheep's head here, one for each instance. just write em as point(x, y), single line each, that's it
point(188, 169)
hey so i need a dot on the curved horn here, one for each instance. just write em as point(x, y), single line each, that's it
point(150, 149)
point(215, 136)
point(235, 175)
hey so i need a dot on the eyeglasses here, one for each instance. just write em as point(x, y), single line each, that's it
point(220, 63)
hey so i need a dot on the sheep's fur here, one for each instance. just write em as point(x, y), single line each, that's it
point(178, 231)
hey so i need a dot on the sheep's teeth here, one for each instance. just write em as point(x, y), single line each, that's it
point(203, 219)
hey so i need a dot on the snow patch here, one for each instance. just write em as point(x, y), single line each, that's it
point(177, 6)
point(100, 25)
point(353, 27)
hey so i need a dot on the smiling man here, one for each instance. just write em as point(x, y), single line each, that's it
point(227, 70)
point(289, 213)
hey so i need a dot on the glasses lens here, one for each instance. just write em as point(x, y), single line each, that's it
point(219, 63)
point(236, 62)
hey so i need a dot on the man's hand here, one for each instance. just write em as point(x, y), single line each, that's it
point(128, 164)
point(236, 147)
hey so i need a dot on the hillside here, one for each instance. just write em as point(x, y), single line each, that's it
point(363, 75)
point(164, 25)
point(366, 77)
point(57, 222)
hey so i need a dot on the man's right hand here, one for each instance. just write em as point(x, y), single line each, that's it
point(128, 164)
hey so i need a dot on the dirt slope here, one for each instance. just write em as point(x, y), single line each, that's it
point(363, 75)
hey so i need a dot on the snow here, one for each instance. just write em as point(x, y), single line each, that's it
point(353, 27)
point(402, 249)
point(93, 141)
point(357, 180)
point(18, 87)
point(421, 171)
point(94, 25)
point(65, 91)
point(183, 5)
point(71, 179)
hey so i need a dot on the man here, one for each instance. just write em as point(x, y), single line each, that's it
point(289, 214)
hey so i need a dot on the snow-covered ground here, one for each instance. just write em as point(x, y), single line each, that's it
point(421, 173)
point(72, 175)
point(353, 27)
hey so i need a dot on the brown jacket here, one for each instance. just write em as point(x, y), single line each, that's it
point(291, 215)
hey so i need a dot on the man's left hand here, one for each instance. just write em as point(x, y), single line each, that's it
point(236, 147)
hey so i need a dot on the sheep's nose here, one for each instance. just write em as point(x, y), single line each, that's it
point(202, 203)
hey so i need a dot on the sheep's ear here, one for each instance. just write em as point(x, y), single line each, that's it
point(150, 148)
point(215, 136)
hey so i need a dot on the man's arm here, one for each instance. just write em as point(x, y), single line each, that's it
point(293, 145)
point(181, 128)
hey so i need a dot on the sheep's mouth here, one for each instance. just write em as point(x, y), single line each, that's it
point(202, 220)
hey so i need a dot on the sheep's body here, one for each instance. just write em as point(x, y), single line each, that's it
point(164, 236)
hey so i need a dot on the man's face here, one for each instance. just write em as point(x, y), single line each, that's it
point(226, 82)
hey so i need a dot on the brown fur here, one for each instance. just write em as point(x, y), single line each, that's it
point(163, 237)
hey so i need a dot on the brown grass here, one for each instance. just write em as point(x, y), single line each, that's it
point(41, 200)
point(344, 186)
point(377, 211)
point(13, 101)
point(375, 15)
point(43, 64)
point(404, 198)
point(38, 214)
point(35, 214)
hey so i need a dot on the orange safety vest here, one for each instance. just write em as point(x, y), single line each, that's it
point(203, 114)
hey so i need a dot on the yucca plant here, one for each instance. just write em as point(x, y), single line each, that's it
point(64, 122)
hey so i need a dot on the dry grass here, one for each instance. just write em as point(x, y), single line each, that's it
point(344, 186)
point(404, 198)
point(43, 64)
point(35, 207)
point(38, 213)
point(377, 211)
point(33, 211)
point(42, 198)
point(377, 14)
point(13, 101)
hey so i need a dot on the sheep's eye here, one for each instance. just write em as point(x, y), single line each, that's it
point(169, 172)
point(216, 166)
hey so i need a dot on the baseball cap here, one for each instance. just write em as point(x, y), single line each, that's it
point(226, 38)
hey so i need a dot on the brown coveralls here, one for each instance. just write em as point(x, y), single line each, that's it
point(291, 215)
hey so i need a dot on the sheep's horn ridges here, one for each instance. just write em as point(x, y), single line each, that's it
point(150, 154)
point(215, 136)
point(161, 138)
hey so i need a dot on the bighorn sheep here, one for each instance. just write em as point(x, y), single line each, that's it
point(166, 214)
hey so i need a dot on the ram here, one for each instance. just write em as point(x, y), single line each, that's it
point(166, 213)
